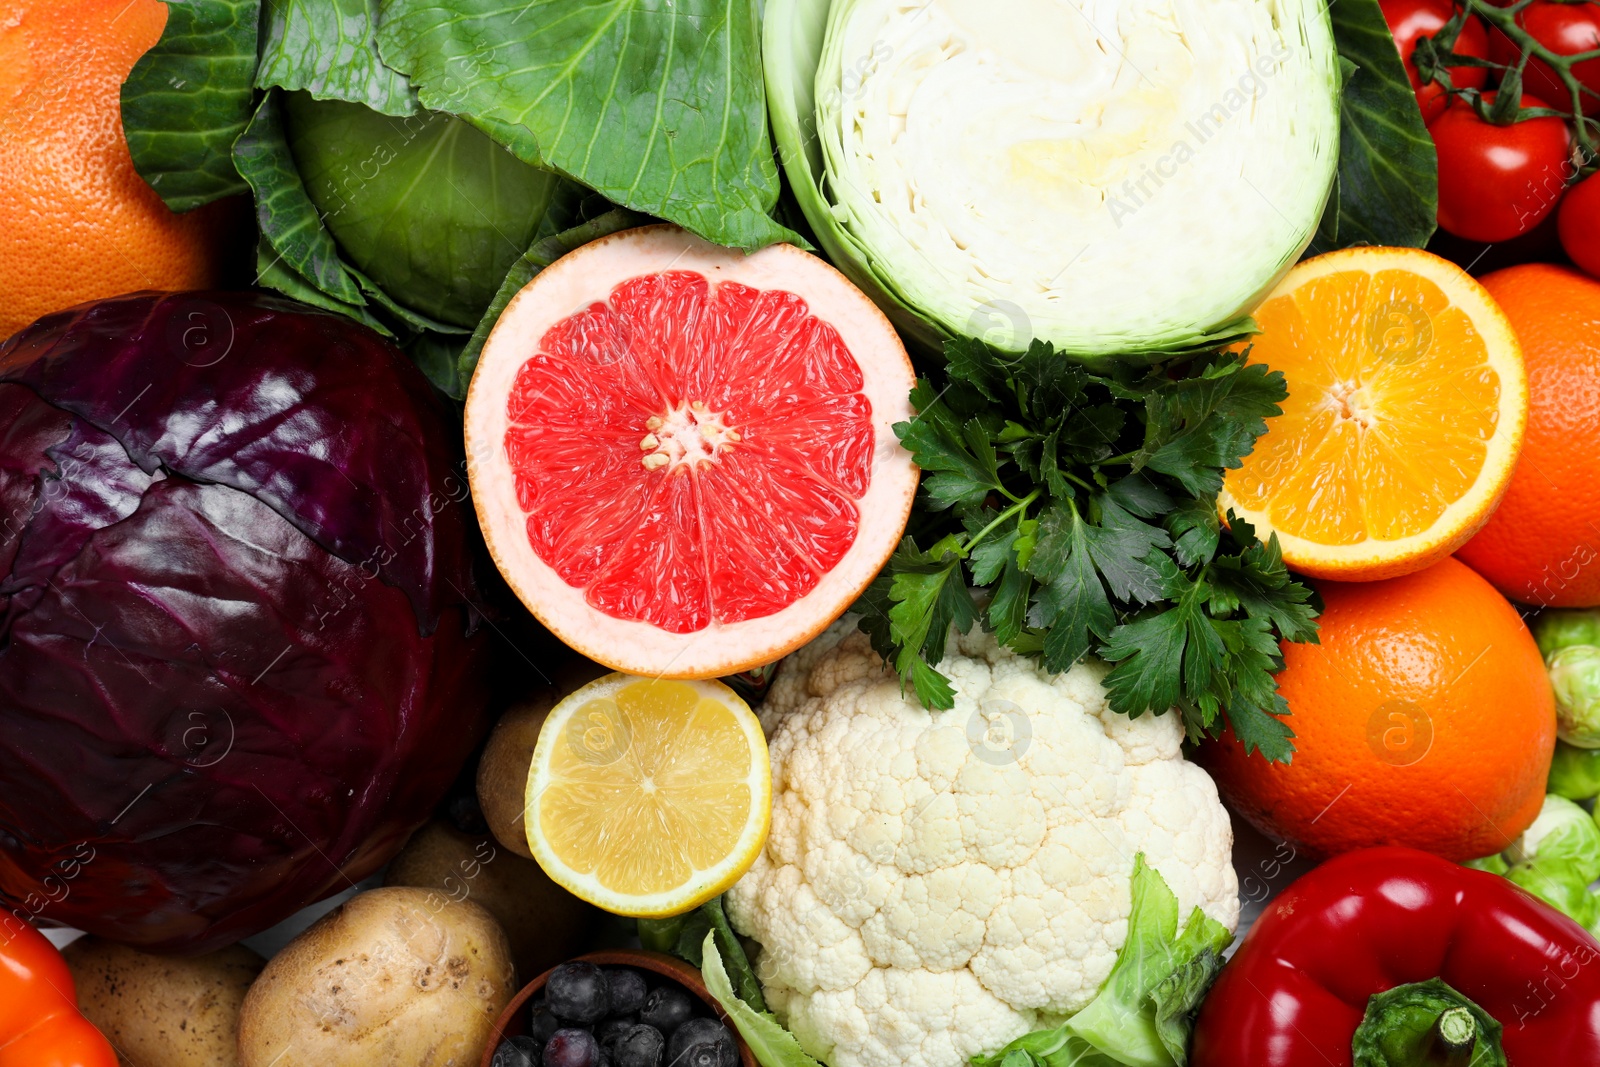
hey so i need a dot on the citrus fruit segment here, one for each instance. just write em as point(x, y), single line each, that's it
point(1406, 410)
point(683, 457)
point(649, 796)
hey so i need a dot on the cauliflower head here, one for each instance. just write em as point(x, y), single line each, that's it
point(938, 883)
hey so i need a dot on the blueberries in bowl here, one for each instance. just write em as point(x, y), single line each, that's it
point(641, 1046)
point(517, 1052)
point(588, 1016)
point(578, 993)
point(695, 1040)
point(542, 1022)
point(571, 1047)
point(609, 1031)
point(626, 989)
point(667, 1008)
point(699, 1056)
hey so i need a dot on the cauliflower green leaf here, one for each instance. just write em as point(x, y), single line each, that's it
point(1142, 1015)
point(772, 1044)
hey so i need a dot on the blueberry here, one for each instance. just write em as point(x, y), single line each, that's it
point(571, 1048)
point(641, 1046)
point(697, 1032)
point(542, 1022)
point(576, 992)
point(610, 1031)
point(626, 987)
point(701, 1055)
point(516, 1052)
point(666, 1008)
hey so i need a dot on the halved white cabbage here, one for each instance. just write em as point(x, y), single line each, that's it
point(1113, 176)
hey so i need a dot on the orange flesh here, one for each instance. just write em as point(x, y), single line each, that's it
point(1392, 403)
point(689, 454)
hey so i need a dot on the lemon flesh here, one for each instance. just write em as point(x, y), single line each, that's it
point(648, 797)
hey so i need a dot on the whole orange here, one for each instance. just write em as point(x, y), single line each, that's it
point(1542, 545)
point(1424, 718)
point(77, 222)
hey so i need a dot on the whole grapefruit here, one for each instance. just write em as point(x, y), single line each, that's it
point(77, 223)
point(1542, 545)
point(1424, 718)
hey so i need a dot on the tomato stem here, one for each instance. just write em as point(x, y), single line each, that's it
point(1505, 20)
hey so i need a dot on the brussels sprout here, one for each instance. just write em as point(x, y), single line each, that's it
point(1495, 864)
point(1560, 884)
point(1575, 675)
point(976, 166)
point(1558, 628)
point(1562, 831)
point(1575, 772)
point(428, 207)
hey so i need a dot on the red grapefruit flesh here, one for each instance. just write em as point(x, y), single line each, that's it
point(682, 456)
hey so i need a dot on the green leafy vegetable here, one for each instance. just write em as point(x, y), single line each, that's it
point(1143, 1013)
point(329, 49)
point(188, 98)
point(427, 207)
point(685, 935)
point(1085, 504)
point(1387, 189)
point(658, 106)
point(544, 251)
point(952, 248)
point(772, 1044)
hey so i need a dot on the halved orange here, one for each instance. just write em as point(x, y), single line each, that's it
point(1406, 410)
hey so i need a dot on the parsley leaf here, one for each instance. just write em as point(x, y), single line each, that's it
point(1073, 513)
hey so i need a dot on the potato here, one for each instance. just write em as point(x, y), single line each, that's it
point(398, 976)
point(164, 1012)
point(503, 767)
point(544, 923)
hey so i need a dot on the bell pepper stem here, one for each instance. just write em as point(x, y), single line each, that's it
point(1426, 1024)
point(1455, 1034)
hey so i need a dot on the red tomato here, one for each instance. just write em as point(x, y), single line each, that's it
point(1566, 29)
point(1410, 19)
point(1498, 181)
point(1579, 224)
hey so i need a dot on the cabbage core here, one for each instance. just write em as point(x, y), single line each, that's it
point(1107, 175)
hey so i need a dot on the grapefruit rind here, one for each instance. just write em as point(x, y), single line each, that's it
point(588, 274)
point(1376, 558)
point(705, 884)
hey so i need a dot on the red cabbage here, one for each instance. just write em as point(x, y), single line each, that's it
point(239, 658)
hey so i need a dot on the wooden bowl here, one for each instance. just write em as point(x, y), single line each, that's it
point(513, 1022)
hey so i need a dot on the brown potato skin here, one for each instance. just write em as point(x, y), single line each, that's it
point(159, 1011)
point(503, 767)
point(544, 923)
point(397, 975)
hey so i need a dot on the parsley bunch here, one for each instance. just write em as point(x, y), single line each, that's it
point(1084, 506)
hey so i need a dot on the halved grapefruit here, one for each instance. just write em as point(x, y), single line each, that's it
point(682, 456)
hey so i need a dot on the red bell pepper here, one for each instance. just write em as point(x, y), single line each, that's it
point(1396, 949)
point(39, 1021)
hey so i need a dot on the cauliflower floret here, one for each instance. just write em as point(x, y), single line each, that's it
point(938, 883)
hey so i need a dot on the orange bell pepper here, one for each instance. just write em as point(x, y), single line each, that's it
point(40, 1025)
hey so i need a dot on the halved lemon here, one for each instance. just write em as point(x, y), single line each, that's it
point(648, 797)
point(1406, 410)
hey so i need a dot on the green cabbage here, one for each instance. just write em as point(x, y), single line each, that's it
point(1007, 172)
point(426, 206)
